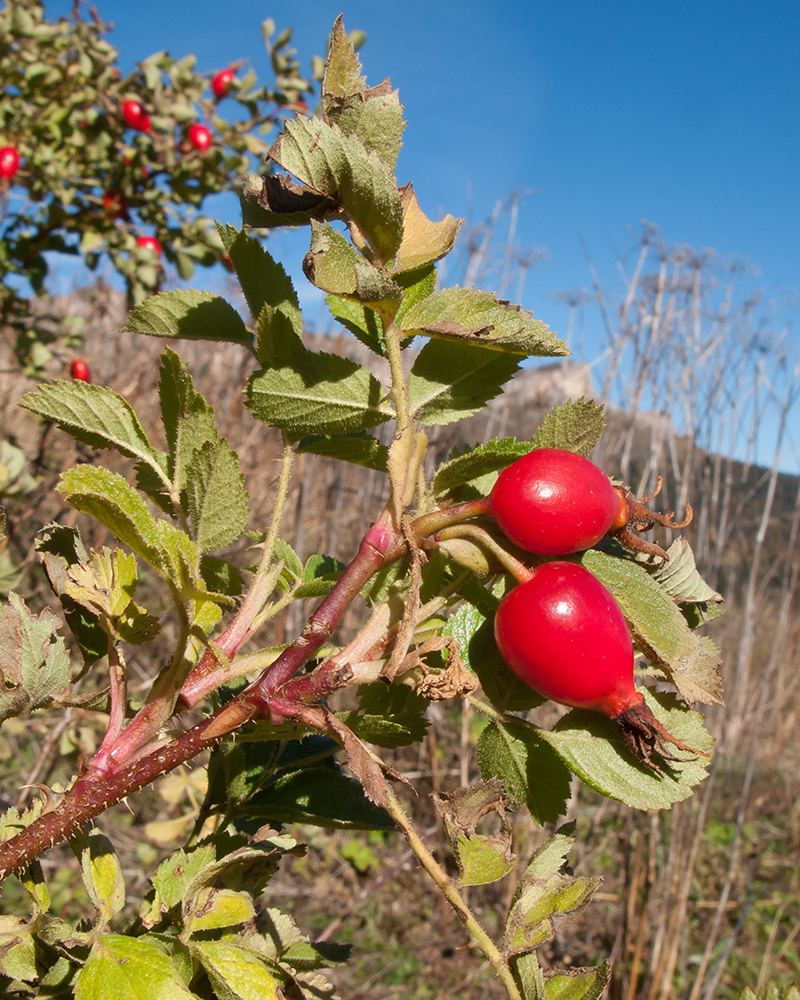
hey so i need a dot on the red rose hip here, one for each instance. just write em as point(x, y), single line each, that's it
point(149, 243)
point(562, 633)
point(80, 371)
point(9, 162)
point(554, 502)
point(200, 137)
point(135, 115)
point(221, 83)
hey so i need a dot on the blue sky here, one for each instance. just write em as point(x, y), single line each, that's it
point(681, 113)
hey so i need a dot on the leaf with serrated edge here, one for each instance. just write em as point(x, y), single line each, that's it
point(591, 746)
point(235, 973)
point(579, 985)
point(97, 416)
point(129, 968)
point(361, 321)
point(475, 463)
point(102, 875)
point(34, 665)
point(186, 314)
point(424, 241)
point(575, 426)
point(542, 893)
point(477, 317)
point(215, 496)
point(334, 265)
point(679, 577)
point(338, 165)
point(318, 394)
point(448, 382)
point(531, 773)
point(343, 67)
point(691, 661)
point(359, 449)
point(263, 279)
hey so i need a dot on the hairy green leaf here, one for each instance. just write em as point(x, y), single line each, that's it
point(96, 415)
point(575, 426)
point(449, 382)
point(189, 315)
point(318, 394)
point(467, 315)
point(583, 985)
point(339, 166)
point(362, 322)
point(333, 264)
point(216, 499)
point(129, 968)
point(34, 665)
point(236, 973)
point(263, 279)
point(102, 874)
point(531, 773)
point(591, 745)
point(359, 449)
point(478, 466)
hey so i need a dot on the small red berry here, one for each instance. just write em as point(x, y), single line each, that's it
point(554, 502)
point(9, 162)
point(562, 633)
point(200, 137)
point(301, 105)
point(135, 115)
point(80, 371)
point(221, 83)
point(149, 243)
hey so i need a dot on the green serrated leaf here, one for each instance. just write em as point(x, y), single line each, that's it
point(334, 265)
point(174, 875)
point(216, 499)
point(129, 968)
point(359, 449)
point(339, 166)
point(234, 972)
point(105, 583)
point(17, 950)
point(320, 796)
point(592, 747)
point(97, 416)
point(679, 577)
point(342, 69)
point(189, 315)
point(102, 874)
point(263, 279)
point(213, 909)
point(34, 665)
point(543, 893)
point(531, 773)
point(692, 662)
point(108, 498)
point(467, 315)
point(362, 322)
point(449, 382)
point(318, 394)
point(390, 715)
point(293, 571)
point(474, 465)
point(584, 985)
point(575, 426)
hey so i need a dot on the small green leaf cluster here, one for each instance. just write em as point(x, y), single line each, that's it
point(89, 184)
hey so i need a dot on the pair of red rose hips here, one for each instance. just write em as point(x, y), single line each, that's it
point(561, 631)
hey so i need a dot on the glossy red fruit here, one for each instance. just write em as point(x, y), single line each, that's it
point(9, 162)
point(221, 83)
point(149, 243)
point(135, 115)
point(80, 371)
point(554, 502)
point(562, 633)
point(200, 137)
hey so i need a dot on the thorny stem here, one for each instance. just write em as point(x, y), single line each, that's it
point(453, 896)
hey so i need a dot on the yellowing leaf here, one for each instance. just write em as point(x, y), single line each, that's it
point(424, 241)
